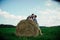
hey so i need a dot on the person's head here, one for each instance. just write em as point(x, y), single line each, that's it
point(32, 14)
point(30, 17)
point(35, 16)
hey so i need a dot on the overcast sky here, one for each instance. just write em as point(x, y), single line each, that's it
point(47, 11)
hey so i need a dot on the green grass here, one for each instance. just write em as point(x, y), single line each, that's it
point(49, 33)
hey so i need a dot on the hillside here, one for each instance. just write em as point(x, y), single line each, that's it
point(49, 33)
point(7, 26)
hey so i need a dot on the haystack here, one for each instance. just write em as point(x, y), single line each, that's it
point(27, 28)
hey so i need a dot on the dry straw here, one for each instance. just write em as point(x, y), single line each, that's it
point(27, 28)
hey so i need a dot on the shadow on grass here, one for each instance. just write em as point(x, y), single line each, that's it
point(12, 36)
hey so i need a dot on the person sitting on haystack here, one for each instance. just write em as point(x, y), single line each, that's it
point(30, 18)
point(33, 18)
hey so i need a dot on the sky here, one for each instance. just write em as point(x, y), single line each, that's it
point(13, 11)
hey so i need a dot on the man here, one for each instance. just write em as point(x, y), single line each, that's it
point(32, 16)
point(34, 19)
point(37, 24)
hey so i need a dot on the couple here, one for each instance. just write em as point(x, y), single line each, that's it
point(32, 17)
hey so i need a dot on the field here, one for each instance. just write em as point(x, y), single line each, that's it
point(49, 33)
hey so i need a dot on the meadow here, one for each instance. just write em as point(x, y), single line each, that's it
point(49, 33)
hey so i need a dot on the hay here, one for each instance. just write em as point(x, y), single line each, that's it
point(27, 28)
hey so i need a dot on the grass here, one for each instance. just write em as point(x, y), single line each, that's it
point(49, 33)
